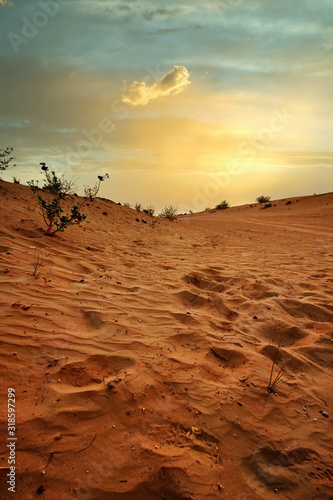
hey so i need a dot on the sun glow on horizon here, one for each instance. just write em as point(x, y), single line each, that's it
point(242, 93)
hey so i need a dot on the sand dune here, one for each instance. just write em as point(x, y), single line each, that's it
point(141, 353)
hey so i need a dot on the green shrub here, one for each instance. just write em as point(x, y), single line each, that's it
point(91, 192)
point(169, 213)
point(263, 199)
point(149, 210)
point(222, 206)
point(51, 208)
point(6, 158)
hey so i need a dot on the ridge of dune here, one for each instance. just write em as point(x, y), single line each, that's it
point(141, 353)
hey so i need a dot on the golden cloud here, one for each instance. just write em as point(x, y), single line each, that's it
point(171, 83)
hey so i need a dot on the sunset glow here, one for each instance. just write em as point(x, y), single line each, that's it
point(183, 103)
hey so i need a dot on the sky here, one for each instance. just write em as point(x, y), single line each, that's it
point(182, 103)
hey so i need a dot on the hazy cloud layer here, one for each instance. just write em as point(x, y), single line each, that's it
point(246, 59)
point(172, 83)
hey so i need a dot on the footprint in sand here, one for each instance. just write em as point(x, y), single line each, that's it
point(89, 373)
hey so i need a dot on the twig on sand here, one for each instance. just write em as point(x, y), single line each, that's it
point(91, 442)
point(195, 296)
point(50, 458)
point(219, 459)
point(218, 355)
point(130, 380)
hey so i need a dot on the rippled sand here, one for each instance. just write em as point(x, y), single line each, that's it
point(141, 353)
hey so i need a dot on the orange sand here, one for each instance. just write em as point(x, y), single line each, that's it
point(141, 353)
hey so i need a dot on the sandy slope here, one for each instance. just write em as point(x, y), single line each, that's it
point(142, 364)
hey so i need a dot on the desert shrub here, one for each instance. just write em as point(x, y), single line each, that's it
point(6, 158)
point(169, 213)
point(91, 192)
point(127, 204)
point(51, 208)
point(16, 180)
point(38, 262)
point(149, 210)
point(263, 199)
point(274, 383)
point(138, 206)
point(223, 205)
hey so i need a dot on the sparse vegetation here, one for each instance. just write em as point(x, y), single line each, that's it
point(37, 263)
point(91, 192)
point(51, 208)
point(263, 199)
point(223, 205)
point(273, 384)
point(169, 213)
point(149, 210)
point(16, 180)
point(6, 158)
point(138, 207)
point(127, 204)
point(267, 205)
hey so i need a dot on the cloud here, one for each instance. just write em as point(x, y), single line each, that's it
point(6, 2)
point(171, 83)
point(162, 12)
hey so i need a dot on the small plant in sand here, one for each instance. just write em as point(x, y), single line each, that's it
point(126, 204)
point(58, 190)
point(91, 192)
point(274, 383)
point(6, 158)
point(37, 263)
point(169, 213)
point(263, 199)
point(137, 207)
point(223, 205)
point(149, 210)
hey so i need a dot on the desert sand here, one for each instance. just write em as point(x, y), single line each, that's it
point(141, 352)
